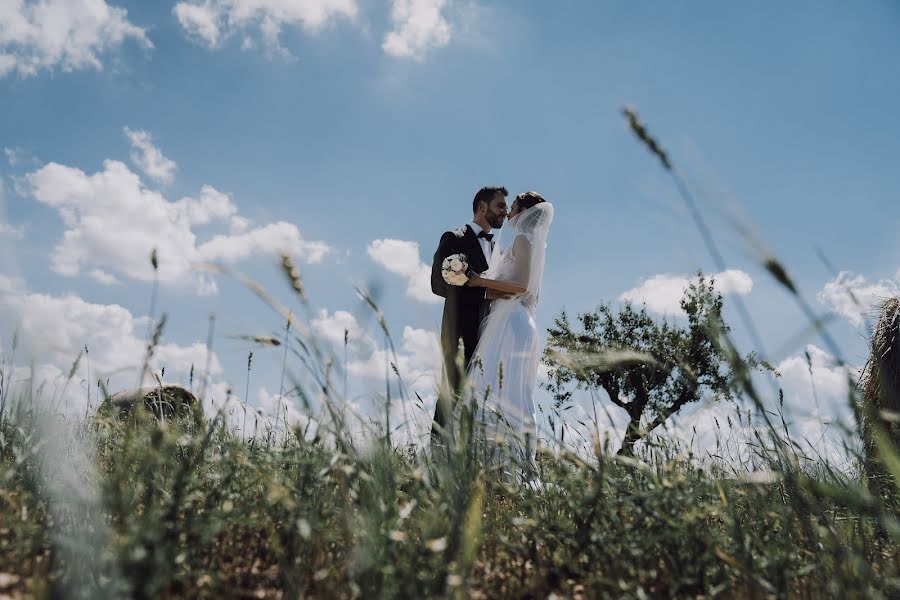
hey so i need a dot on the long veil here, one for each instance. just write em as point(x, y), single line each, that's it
point(504, 371)
point(533, 225)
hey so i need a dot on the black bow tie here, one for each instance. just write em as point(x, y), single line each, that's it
point(487, 236)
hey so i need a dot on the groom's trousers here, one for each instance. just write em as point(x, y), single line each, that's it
point(460, 327)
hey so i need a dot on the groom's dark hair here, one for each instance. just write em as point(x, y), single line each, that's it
point(486, 194)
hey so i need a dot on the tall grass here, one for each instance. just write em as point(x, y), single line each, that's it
point(151, 507)
point(198, 513)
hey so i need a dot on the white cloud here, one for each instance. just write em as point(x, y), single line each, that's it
point(816, 410)
point(816, 396)
point(271, 406)
point(10, 285)
point(402, 257)
point(210, 22)
point(814, 385)
point(853, 297)
point(102, 277)
point(211, 205)
point(113, 222)
point(55, 329)
point(148, 158)
point(663, 293)
point(13, 155)
point(271, 239)
point(179, 359)
point(60, 326)
point(16, 232)
point(65, 34)
point(419, 26)
point(331, 327)
point(418, 360)
point(200, 21)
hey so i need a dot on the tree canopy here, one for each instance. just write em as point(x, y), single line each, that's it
point(650, 367)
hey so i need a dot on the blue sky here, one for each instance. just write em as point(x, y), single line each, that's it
point(351, 121)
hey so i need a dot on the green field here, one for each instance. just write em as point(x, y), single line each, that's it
point(136, 507)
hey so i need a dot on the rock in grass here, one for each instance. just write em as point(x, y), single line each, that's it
point(169, 402)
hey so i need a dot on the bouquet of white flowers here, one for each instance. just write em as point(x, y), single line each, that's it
point(454, 269)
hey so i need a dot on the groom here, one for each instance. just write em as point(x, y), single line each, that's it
point(465, 307)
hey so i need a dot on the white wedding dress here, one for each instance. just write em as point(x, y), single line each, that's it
point(503, 372)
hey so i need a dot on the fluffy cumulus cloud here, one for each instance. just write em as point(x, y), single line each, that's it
point(816, 411)
point(64, 34)
point(854, 297)
point(148, 158)
point(113, 222)
point(103, 278)
point(54, 330)
point(418, 355)
point(815, 386)
point(10, 285)
point(402, 257)
point(663, 293)
point(817, 403)
point(418, 27)
point(210, 22)
point(271, 239)
point(418, 360)
point(332, 327)
point(59, 326)
point(275, 410)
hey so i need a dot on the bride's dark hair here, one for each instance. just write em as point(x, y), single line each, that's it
point(527, 200)
point(528, 223)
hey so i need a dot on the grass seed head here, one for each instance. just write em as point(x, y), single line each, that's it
point(293, 274)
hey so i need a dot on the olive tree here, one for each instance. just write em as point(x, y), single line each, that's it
point(650, 367)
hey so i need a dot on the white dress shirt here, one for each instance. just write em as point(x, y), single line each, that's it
point(485, 245)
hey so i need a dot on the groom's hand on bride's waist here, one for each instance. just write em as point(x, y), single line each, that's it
point(497, 295)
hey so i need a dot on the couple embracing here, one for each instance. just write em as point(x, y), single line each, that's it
point(490, 289)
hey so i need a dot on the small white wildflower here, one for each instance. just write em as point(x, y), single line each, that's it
point(304, 528)
point(397, 536)
point(437, 545)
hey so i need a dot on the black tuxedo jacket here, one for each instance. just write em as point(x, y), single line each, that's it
point(464, 307)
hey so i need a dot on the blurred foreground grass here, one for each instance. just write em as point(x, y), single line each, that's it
point(159, 510)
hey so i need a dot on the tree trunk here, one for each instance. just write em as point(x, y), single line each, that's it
point(632, 436)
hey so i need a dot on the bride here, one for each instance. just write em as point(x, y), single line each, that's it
point(504, 371)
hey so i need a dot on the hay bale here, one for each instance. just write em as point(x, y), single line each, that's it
point(880, 386)
point(170, 402)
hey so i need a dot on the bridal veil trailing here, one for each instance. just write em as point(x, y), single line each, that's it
point(504, 370)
